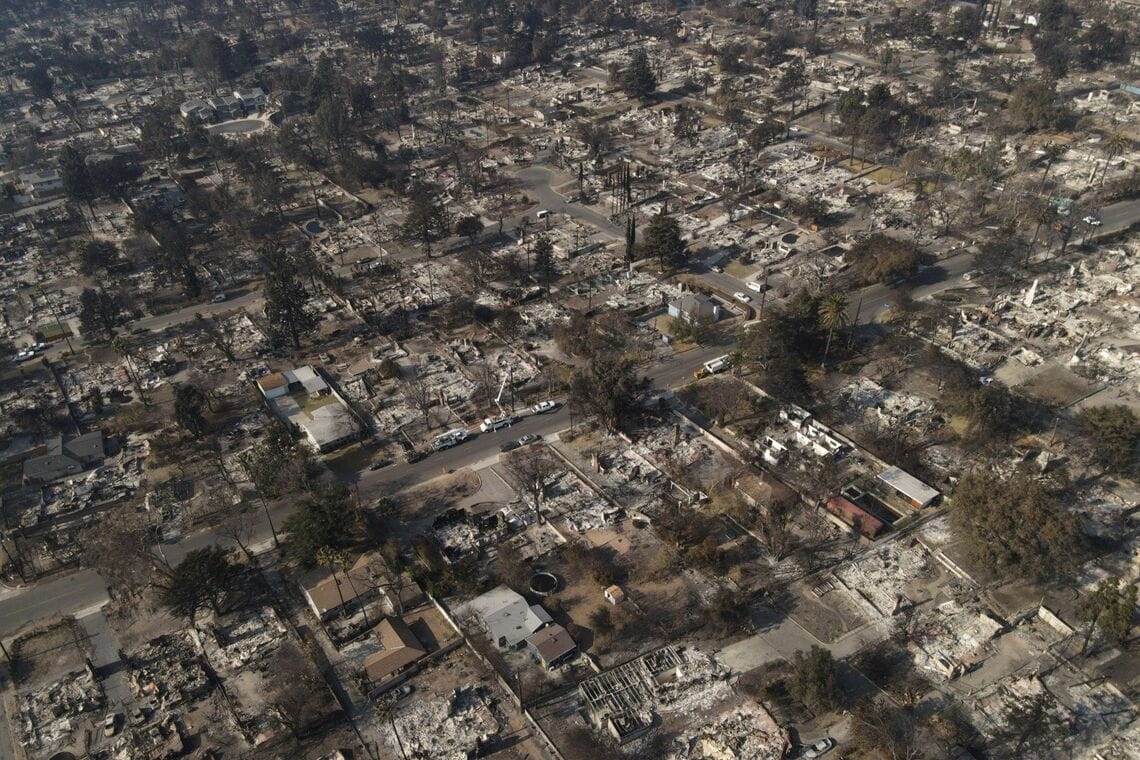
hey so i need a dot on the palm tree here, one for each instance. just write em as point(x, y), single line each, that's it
point(833, 316)
point(1052, 153)
point(123, 348)
point(334, 560)
point(1115, 145)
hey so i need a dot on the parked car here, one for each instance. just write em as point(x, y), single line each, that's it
point(717, 268)
point(219, 297)
point(509, 446)
point(528, 438)
point(513, 522)
point(404, 691)
point(110, 724)
point(819, 749)
point(742, 297)
point(379, 463)
point(542, 407)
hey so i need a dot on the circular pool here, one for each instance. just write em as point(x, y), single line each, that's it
point(314, 227)
point(543, 583)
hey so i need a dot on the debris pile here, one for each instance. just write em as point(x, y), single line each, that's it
point(747, 732)
point(48, 716)
point(167, 671)
point(459, 725)
point(672, 679)
point(250, 640)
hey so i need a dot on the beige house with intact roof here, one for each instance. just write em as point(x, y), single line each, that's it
point(310, 406)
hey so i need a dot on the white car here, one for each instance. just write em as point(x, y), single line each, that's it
point(1092, 221)
point(742, 297)
point(819, 749)
point(218, 298)
point(528, 438)
point(542, 407)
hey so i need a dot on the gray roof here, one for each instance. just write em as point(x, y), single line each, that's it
point(507, 616)
point(65, 458)
point(908, 485)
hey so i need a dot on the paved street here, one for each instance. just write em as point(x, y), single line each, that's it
point(64, 595)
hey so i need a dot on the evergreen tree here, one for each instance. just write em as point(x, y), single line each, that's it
point(545, 270)
point(286, 299)
point(663, 242)
point(322, 520)
point(426, 220)
point(244, 55)
point(189, 408)
point(100, 313)
point(793, 84)
point(637, 79)
point(77, 181)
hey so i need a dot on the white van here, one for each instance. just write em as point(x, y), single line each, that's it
point(543, 214)
point(755, 286)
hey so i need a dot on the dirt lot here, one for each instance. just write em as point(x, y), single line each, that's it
point(419, 506)
point(47, 653)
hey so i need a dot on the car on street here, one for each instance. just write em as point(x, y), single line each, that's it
point(819, 748)
point(742, 297)
point(509, 446)
point(219, 297)
point(542, 407)
point(1091, 221)
point(110, 724)
point(717, 268)
point(528, 439)
point(404, 691)
point(379, 463)
point(25, 355)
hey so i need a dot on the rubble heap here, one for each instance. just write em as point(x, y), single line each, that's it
point(747, 732)
point(167, 671)
point(48, 716)
point(459, 725)
point(671, 679)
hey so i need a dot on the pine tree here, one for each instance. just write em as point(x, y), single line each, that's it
point(663, 242)
point(285, 298)
point(545, 270)
point(637, 79)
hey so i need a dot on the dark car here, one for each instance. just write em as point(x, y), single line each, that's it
point(509, 446)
